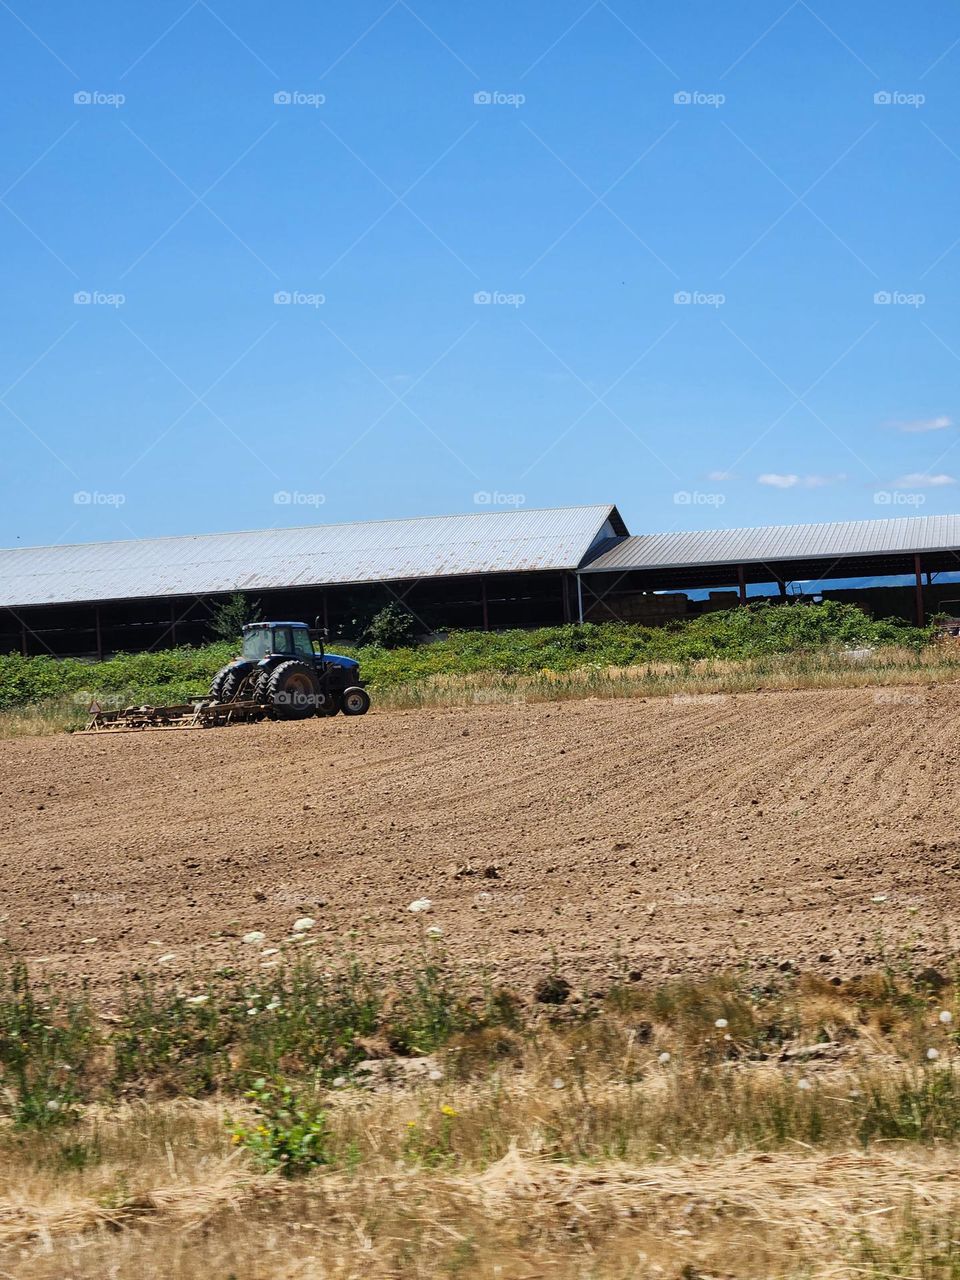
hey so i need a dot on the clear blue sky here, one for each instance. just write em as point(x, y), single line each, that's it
point(583, 187)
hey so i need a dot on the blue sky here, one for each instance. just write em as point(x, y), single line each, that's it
point(426, 153)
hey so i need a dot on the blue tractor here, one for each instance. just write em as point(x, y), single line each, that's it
point(286, 670)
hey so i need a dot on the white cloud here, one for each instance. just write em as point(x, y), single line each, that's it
point(940, 423)
point(922, 480)
point(791, 481)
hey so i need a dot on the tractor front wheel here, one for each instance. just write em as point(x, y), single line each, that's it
point(292, 690)
point(356, 701)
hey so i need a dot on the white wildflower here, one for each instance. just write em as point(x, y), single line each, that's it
point(664, 1058)
point(53, 1105)
point(197, 999)
point(435, 1075)
point(434, 931)
point(303, 924)
point(339, 1082)
point(946, 1017)
point(803, 1084)
point(420, 904)
point(721, 1023)
point(933, 1055)
point(557, 1083)
point(253, 937)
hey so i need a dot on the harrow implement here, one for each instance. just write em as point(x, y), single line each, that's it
point(202, 713)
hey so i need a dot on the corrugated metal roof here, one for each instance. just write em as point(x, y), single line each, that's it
point(906, 535)
point(371, 551)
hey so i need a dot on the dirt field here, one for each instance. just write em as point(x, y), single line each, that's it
point(655, 836)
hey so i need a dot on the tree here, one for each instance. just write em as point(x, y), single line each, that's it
point(392, 628)
point(230, 617)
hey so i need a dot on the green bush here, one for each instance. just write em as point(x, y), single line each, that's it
point(392, 628)
point(290, 1132)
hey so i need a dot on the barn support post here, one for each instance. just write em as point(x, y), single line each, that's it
point(579, 598)
point(326, 612)
point(782, 588)
point(23, 637)
point(483, 604)
point(96, 619)
point(173, 622)
point(741, 584)
point(921, 612)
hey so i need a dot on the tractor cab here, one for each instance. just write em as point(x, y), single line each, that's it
point(277, 640)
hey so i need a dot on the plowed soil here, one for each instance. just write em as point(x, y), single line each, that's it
point(658, 836)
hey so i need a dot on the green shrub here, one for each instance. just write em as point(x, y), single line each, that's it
point(290, 1131)
point(392, 628)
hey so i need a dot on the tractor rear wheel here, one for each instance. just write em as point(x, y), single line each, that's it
point(292, 690)
point(216, 686)
point(356, 701)
point(260, 681)
point(232, 682)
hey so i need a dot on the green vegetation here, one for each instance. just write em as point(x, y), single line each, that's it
point(288, 1132)
point(394, 627)
point(755, 634)
point(670, 1069)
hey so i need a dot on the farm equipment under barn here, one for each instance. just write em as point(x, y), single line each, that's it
point(280, 675)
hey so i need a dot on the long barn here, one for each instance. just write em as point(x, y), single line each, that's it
point(487, 569)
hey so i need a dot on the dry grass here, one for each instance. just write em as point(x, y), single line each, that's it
point(564, 1147)
point(889, 667)
point(169, 1203)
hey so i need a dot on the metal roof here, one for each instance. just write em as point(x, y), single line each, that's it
point(508, 541)
point(846, 538)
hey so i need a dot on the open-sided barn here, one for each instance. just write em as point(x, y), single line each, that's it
point(485, 569)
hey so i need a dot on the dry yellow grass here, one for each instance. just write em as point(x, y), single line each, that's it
point(187, 1210)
